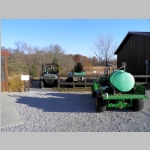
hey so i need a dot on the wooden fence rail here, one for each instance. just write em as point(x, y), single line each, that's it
point(90, 79)
point(85, 83)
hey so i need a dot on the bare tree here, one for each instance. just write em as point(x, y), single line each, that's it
point(104, 49)
point(21, 46)
point(67, 63)
point(93, 60)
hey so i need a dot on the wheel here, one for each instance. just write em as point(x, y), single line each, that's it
point(93, 93)
point(137, 104)
point(100, 105)
point(55, 83)
point(97, 105)
point(41, 84)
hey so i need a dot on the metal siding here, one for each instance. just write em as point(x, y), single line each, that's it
point(134, 52)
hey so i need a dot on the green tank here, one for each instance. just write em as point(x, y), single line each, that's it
point(122, 80)
point(79, 73)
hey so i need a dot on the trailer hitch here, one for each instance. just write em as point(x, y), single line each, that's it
point(120, 107)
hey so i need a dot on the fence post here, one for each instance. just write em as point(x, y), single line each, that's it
point(24, 85)
point(58, 83)
point(73, 84)
point(85, 83)
point(28, 85)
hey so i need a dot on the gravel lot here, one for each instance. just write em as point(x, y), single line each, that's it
point(42, 110)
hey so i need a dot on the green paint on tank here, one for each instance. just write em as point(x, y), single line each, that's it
point(79, 73)
point(122, 80)
point(95, 86)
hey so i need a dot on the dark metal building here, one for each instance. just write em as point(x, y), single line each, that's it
point(135, 51)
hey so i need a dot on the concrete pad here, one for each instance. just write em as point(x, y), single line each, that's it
point(9, 114)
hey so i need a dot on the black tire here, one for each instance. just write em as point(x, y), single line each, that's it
point(41, 84)
point(137, 104)
point(55, 83)
point(100, 105)
point(97, 104)
point(93, 93)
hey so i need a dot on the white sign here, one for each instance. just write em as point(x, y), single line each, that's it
point(24, 77)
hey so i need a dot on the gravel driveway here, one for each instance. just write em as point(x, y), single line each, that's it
point(42, 110)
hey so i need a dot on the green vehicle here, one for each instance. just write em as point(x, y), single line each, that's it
point(117, 89)
point(49, 75)
point(78, 78)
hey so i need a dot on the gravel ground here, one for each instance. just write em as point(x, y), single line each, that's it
point(42, 110)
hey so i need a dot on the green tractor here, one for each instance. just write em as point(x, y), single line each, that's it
point(49, 75)
point(117, 89)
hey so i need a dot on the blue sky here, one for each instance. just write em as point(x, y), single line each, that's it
point(75, 36)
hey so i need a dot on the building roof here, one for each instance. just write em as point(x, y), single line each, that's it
point(128, 35)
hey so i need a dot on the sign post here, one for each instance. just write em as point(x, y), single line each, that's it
point(25, 78)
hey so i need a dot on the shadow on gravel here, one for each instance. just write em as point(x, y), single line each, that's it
point(64, 102)
point(60, 102)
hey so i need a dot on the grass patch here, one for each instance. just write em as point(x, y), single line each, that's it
point(15, 84)
point(75, 89)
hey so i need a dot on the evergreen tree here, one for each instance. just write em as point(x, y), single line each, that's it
point(78, 67)
point(56, 62)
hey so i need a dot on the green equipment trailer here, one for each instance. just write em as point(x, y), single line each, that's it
point(77, 78)
point(117, 89)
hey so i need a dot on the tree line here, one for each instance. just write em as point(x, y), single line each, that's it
point(26, 59)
